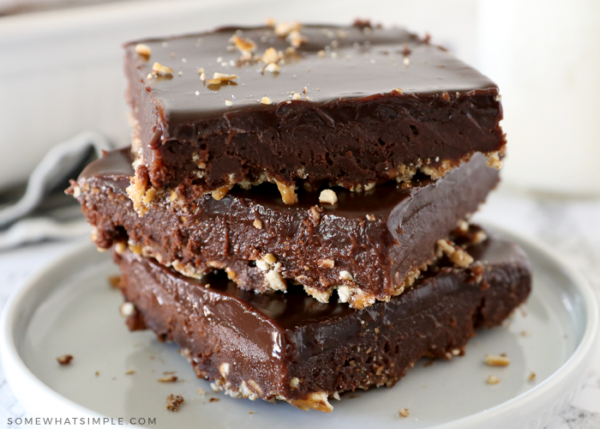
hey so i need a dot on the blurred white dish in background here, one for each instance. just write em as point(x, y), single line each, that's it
point(66, 73)
point(545, 56)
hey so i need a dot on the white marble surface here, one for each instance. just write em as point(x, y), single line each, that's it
point(569, 226)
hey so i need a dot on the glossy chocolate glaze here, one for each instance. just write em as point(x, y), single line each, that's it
point(354, 128)
point(276, 337)
point(379, 237)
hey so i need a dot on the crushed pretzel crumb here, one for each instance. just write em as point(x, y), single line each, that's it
point(328, 196)
point(494, 360)
point(174, 402)
point(64, 359)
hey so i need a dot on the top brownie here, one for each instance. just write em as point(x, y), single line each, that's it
point(312, 106)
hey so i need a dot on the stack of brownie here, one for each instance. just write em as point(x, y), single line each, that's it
point(294, 208)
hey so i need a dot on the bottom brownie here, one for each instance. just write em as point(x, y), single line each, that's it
point(294, 348)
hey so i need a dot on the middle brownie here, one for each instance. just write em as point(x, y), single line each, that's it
point(368, 246)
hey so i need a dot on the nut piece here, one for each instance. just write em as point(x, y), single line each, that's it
point(127, 309)
point(114, 281)
point(257, 224)
point(288, 193)
point(201, 391)
point(493, 161)
point(270, 56)
point(64, 359)
point(459, 257)
point(143, 51)
point(493, 380)
point(272, 68)
point(266, 100)
point(243, 45)
point(326, 263)
point(493, 360)
point(404, 412)
point(531, 376)
point(275, 280)
point(219, 78)
point(315, 400)
point(160, 70)
point(169, 379)
point(328, 196)
point(294, 383)
point(345, 275)
point(285, 28)
point(174, 402)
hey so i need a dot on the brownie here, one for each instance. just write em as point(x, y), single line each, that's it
point(351, 106)
point(369, 246)
point(296, 349)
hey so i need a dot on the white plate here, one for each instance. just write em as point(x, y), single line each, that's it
point(68, 308)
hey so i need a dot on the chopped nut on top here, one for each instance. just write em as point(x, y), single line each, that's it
point(243, 45)
point(160, 70)
point(143, 51)
point(265, 100)
point(404, 412)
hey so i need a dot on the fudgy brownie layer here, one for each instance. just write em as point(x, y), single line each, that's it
point(368, 246)
point(296, 349)
point(349, 106)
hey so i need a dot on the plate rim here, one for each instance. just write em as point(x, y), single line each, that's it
point(11, 358)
